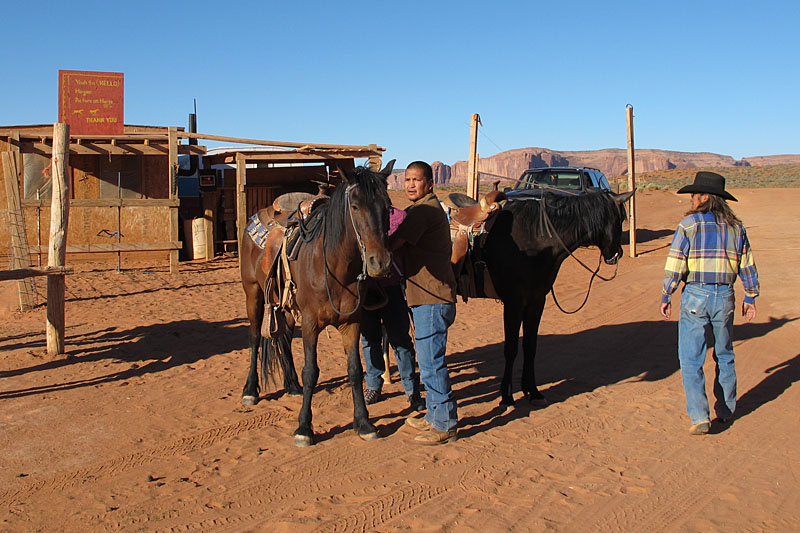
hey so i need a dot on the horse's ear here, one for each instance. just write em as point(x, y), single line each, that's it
point(387, 169)
point(346, 176)
point(622, 198)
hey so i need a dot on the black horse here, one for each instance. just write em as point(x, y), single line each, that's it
point(329, 274)
point(524, 249)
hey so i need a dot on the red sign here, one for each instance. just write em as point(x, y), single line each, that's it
point(91, 102)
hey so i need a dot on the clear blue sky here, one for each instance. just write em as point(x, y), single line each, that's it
point(720, 77)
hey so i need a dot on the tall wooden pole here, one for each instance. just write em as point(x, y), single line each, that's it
point(172, 133)
point(631, 180)
point(57, 247)
point(241, 199)
point(472, 166)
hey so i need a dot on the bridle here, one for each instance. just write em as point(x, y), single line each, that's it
point(544, 222)
point(362, 249)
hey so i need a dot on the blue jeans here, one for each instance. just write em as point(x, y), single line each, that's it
point(430, 331)
point(393, 316)
point(705, 306)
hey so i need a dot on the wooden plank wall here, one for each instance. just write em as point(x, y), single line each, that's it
point(140, 224)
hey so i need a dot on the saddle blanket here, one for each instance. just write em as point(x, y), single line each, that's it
point(257, 231)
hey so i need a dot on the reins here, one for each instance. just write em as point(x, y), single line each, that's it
point(362, 249)
point(544, 222)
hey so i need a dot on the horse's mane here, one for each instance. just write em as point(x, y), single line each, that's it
point(371, 185)
point(579, 217)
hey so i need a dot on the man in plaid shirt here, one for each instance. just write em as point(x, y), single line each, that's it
point(709, 250)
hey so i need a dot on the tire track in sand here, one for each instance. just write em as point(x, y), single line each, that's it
point(267, 493)
point(123, 463)
point(385, 508)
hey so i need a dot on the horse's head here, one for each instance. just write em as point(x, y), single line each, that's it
point(368, 205)
point(611, 247)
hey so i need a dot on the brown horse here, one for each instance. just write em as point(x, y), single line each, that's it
point(329, 273)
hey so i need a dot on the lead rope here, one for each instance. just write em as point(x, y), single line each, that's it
point(551, 231)
point(362, 249)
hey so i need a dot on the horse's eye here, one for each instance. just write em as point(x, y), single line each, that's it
point(354, 207)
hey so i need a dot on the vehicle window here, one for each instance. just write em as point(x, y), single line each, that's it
point(604, 182)
point(559, 179)
point(570, 180)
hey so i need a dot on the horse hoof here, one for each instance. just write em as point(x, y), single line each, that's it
point(249, 400)
point(303, 441)
point(295, 392)
point(539, 402)
point(373, 435)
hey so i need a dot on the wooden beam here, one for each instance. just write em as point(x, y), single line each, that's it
point(59, 223)
point(118, 247)
point(286, 144)
point(290, 157)
point(173, 194)
point(120, 148)
point(108, 202)
point(80, 138)
point(24, 273)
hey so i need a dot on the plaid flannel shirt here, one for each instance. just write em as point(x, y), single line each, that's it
point(704, 250)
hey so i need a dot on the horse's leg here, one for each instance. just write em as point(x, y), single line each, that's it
point(512, 317)
point(530, 333)
point(355, 373)
point(255, 313)
point(304, 435)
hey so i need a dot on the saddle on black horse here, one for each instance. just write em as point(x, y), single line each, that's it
point(470, 222)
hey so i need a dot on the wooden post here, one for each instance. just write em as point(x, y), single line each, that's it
point(209, 220)
point(241, 199)
point(59, 222)
point(173, 195)
point(374, 161)
point(472, 167)
point(631, 180)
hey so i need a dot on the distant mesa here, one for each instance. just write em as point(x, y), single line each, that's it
point(612, 161)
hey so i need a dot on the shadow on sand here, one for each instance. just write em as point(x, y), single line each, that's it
point(148, 349)
point(574, 364)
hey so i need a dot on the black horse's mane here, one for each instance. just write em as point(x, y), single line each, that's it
point(371, 185)
point(579, 217)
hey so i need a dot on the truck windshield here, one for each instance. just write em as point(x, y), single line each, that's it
point(559, 179)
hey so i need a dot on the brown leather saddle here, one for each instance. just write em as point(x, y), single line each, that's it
point(282, 217)
point(281, 220)
point(469, 222)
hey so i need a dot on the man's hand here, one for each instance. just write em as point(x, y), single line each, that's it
point(749, 310)
point(666, 310)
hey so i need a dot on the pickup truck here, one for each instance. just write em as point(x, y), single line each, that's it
point(560, 180)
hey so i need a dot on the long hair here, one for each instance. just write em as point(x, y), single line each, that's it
point(720, 208)
point(371, 185)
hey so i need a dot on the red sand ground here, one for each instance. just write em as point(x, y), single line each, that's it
point(140, 427)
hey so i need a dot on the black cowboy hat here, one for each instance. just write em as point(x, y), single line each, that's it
point(710, 183)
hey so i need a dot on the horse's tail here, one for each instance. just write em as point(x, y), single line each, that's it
point(277, 352)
